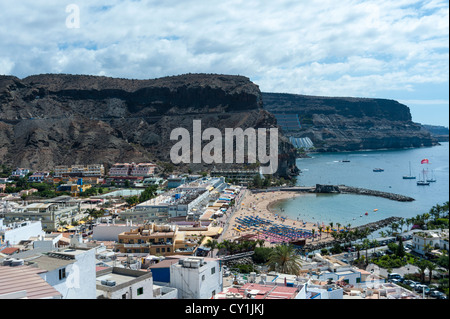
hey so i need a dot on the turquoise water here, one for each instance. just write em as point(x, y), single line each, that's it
point(347, 209)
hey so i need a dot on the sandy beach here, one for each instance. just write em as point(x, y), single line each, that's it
point(258, 205)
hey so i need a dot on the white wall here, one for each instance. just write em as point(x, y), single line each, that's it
point(80, 277)
point(197, 283)
point(109, 233)
point(131, 290)
point(14, 236)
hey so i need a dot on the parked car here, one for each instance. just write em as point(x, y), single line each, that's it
point(421, 288)
point(395, 276)
point(412, 284)
point(435, 293)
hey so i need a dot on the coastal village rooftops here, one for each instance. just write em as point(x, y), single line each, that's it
point(25, 282)
point(258, 291)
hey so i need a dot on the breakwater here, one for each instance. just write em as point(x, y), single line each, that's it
point(370, 226)
point(337, 189)
point(363, 191)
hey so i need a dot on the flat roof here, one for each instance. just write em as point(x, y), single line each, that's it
point(50, 263)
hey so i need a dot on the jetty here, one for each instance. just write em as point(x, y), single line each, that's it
point(338, 189)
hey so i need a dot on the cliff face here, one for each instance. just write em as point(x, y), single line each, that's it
point(348, 124)
point(48, 120)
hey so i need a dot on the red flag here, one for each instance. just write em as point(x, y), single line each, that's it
point(424, 161)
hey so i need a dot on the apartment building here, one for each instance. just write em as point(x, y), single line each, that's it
point(94, 170)
point(132, 169)
point(155, 239)
point(20, 172)
point(51, 215)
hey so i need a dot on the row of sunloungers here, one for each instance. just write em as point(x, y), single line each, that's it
point(268, 231)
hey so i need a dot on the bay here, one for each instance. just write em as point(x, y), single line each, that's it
point(328, 168)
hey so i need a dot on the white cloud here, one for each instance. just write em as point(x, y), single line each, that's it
point(321, 47)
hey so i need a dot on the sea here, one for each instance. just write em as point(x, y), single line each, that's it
point(351, 209)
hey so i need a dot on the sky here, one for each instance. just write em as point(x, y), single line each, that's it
point(393, 49)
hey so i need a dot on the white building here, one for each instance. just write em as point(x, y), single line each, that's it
point(110, 232)
point(197, 277)
point(15, 232)
point(435, 239)
point(70, 271)
point(20, 172)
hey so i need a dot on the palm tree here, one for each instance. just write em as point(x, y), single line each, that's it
point(422, 265)
point(285, 260)
point(401, 222)
point(313, 232)
point(211, 244)
point(366, 245)
point(431, 267)
point(328, 230)
point(320, 231)
point(338, 225)
point(383, 234)
point(358, 247)
point(374, 243)
point(260, 242)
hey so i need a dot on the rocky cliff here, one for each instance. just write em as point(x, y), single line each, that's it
point(48, 120)
point(348, 124)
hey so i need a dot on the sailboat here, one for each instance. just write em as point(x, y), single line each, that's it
point(409, 176)
point(432, 179)
point(423, 182)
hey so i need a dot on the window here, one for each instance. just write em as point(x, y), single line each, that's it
point(203, 277)
point(140, 291)
point(62, 273)
point(124, 296)
point(213, 270)
point(358, 280)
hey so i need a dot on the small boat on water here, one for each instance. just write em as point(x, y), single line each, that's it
point(376, 209)
point(366, 213)
point(432, 179)
point(423, 181)
point(409, 176)
point(378, 170)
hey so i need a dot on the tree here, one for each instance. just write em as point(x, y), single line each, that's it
point(400, 249)
point(431, 267)
point(212, 244)
point(366, 246)
point(401, 222)
point(148, 193)
point(285, 260)
point(260, 242)
point(422, 264)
